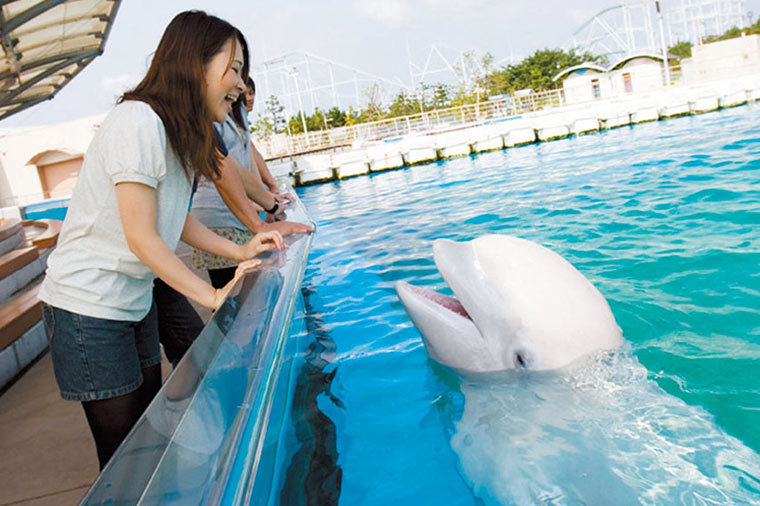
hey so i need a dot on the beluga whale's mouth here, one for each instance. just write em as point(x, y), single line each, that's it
point(445, 301)
point(516, 304)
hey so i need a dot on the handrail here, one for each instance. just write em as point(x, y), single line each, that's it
point(282, 145)
point(201, 439)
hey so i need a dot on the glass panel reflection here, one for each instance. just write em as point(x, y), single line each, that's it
point(202, 437)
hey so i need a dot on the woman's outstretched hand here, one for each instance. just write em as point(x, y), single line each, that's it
point(287, 227)
point(261, 242)
point(284, 199)
point(221, 293)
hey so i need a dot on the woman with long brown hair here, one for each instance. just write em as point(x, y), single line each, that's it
point(127, 213)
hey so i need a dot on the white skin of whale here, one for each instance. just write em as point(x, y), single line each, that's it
point(527, 307)
point(597, 432)
point(571, 418)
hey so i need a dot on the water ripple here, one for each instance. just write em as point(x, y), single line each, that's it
point(663, 218)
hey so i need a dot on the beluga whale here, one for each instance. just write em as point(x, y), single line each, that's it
point(557, 409)
point(517, 305)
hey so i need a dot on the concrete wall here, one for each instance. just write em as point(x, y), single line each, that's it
point(738, 56)
point(579, 87)
point(21, 147)
point(645, 75)
point(59, 177)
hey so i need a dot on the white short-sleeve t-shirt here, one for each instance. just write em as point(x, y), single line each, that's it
point(92, 271)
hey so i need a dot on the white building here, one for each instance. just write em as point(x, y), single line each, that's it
point(638, 73)
point(739, 56)
point(43, 162)
point(584, 82)
point(643, 73)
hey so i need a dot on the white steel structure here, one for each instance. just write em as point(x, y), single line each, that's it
point(303, 81)
point(693, 20)
point(442, 64)
point(632, 27)
point(619, 31)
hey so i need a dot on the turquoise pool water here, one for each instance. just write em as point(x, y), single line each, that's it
point(663, 218)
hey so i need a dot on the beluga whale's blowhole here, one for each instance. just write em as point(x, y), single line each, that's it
point(517, 305)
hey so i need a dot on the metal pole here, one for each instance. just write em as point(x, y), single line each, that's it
point(411, 68)
point(628, 29)
point(662, 42)
point(311, 86)
point(266, 83)
point(356, 89)
point(332, 87)
point(294, 73)
point(465, 76)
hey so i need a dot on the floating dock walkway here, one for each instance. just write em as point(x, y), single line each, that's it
point(495, 134)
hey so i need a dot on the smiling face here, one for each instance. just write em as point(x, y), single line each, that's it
point(250, 95)
point(223, 80)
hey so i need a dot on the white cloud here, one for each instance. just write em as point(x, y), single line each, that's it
point(114, 86)
point(456, 5)
point(392, 13)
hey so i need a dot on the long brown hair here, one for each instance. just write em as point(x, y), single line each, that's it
point(175, 86)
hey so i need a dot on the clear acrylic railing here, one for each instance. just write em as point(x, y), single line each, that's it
point(202, 439)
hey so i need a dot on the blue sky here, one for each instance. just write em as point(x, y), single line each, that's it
point(371, 35)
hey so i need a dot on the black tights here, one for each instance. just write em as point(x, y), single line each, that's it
point(111, 419)
point(220, 277)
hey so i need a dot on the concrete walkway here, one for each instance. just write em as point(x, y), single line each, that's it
point(47, 456)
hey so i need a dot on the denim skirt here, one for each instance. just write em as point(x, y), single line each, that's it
point(96, 358)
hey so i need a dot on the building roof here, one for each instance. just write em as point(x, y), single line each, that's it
point(58, 154)
point(620, 64)
point(45, 44)
point(582, 68)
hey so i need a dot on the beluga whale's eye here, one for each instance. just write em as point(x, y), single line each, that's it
point(521, 360)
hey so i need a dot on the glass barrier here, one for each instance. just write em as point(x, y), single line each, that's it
point(201, 441)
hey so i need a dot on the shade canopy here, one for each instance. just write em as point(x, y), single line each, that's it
point(45, 44)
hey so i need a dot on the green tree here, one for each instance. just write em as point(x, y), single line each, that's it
point(462, 96)
point(441, 96)
point(734, 32)
point(404, 104)
point(374, 109)
point(471, 68)
point(295, 125)
point(316, 120)
point(680, 50)
point(755, 28)
point(263, 126)
point(536, 71)
point(731, 33)
point(352, 117)
point(336, 118)
point(275, 113)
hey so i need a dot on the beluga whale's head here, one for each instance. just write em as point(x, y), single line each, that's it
point(518, 305)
